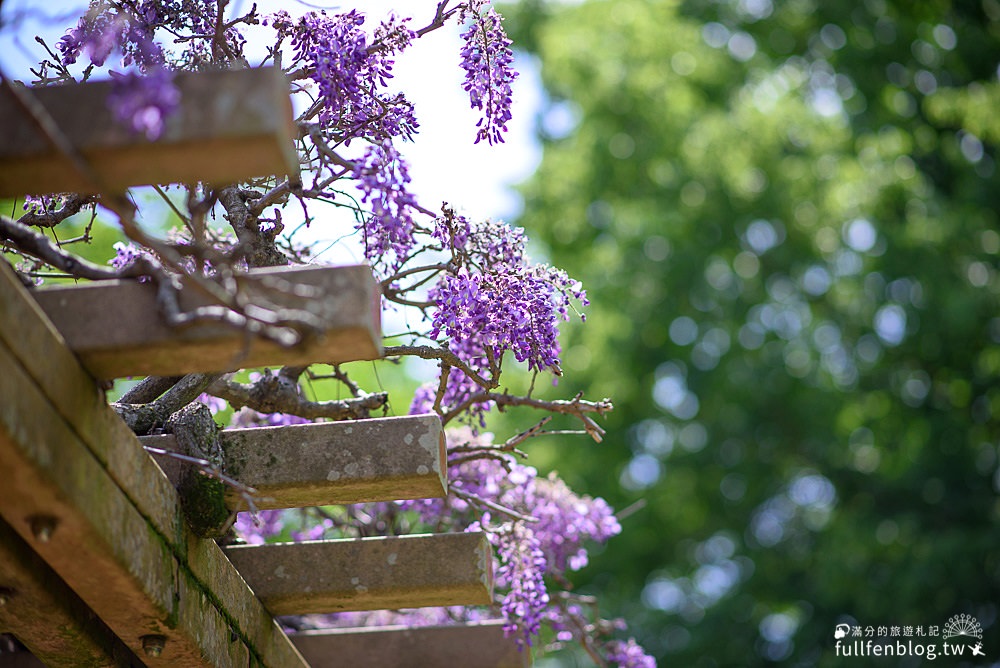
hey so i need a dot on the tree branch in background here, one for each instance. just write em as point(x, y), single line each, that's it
point(72, 204)
point(143, 418)
point(492, 505)
point(468, 452)
point(444, 355)
point(40, 246)
point(256, 245)
point(148, 389)
point(441, 16)
point(576, 407)
point(274, 393)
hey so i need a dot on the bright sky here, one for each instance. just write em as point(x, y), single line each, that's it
point(444, 163)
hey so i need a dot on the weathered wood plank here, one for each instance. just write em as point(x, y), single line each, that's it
point(369, 573)
point(20, 660)
point(39, 350)
point(333, 463)
point(344, 299)
point(60, 500)
point(47, 616)
point(230, 126)
point(471, 645)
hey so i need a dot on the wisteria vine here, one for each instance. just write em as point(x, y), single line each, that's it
point(475, 300)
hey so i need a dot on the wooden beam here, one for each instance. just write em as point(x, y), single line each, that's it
point(116, 329)
point(58, 498)
point(229, 126)
point(470, 645)
point(47, 616)
point(333, 463)
point(20, 660)
point(119, 540)
point(368, 573)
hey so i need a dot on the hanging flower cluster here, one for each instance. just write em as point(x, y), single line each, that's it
point(513, 307)
point(493, 300)
point(350, 70)
point(522, 570)
point(109, 27)
point(488, 300)
point(383, 177)
point(629, 654)
point(489, 73)
point(550, 541)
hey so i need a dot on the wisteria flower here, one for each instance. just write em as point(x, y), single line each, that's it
point(383, 177)
point(488, 63)
point(106, 28)
point(350, 69)
point(142, 98)
point(143, 102)
point(498, 298)
point(522, 569)
point(628, 655)
point(94, 36)
point(556, 542)
point(255, 530)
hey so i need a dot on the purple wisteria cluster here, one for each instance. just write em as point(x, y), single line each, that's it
point(548, 540)
point(257, 528)
point(497, 295)
point(143, 102)
point(389, 233)
point(108, 28)
point(628, 654)
point(513, 307)
point(145, 96)
point(128, 27)
point(491, 300)
point(126, 254)
point(488, 63)
point(351, 70)
point(522, 572)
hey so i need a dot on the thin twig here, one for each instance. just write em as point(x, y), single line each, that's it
point(445, 355)
point(478, 500)
point(43, 248)
point(576, 407)
point(170, 203)
point(71, 205)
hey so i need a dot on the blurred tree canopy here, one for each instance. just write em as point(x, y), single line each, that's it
point(786, 217)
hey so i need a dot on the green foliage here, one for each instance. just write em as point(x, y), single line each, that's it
point(791, 242)
point(970, 108)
